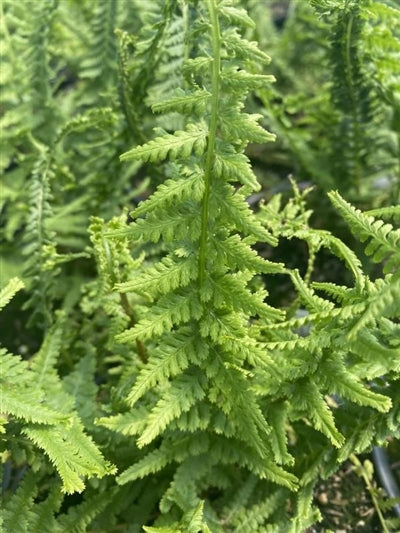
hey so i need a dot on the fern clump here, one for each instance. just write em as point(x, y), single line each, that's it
point(150, 381)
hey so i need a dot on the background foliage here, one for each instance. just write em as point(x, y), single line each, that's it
point(190, 340)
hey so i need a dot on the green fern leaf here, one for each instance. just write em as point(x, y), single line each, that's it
point(238, 213)
point(79, 517)
point(172, 192)
point(383, 301)
point(43, 513)
point(180, 144)
point(277, 417)
point(241, 80)
point(172, 358)
point(170, 310)
point(72, 452)
point(230, 291)
point(245, 49)
point(184, 102)
point(254, 517)
point(236, 127)
point(235, 167)
point(177, 399)
point(8, 292)
point(20, 396)
point(153, 462)
point(168, 225)
point(310, 399)
point(241, 256)
point(17, 512)
point(235, 15)
point(130, 423)
point(384, 241)
point(167, 275)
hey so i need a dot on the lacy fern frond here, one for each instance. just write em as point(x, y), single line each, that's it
point(201, 288)
point(33, 394)
point(37, 236)
point(384, 243)
point(71, 451)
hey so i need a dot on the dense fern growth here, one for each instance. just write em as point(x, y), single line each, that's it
point(165, 366)
point(337, 126)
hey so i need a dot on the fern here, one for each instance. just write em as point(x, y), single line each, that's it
point(384, 243)
point(101, 64)
point(223, 354)
point(180, 275)
point(34, 395)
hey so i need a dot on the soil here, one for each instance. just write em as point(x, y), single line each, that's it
point(345, 504)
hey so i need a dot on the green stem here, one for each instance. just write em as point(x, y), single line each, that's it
point(132, 320)
point(124, 301)
point(362, 471)
point(209, 160)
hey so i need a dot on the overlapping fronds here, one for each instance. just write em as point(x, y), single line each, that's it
point(169, 335)
point(33, 397)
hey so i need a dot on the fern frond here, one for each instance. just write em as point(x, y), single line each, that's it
point(194, 381)
point(306, 514)
point(80, 384)
point(176, 400)
point(392, 211)
point(79, 517)
point(253, 518)
point(236, 126)
point(246, 49)
point(72, 452)
point(37, 236)
point(232, 292)
point(235, 167)
point(192, 522)
point(311, 400)
point(17, 512)
point(170, 359)
point(167, 275)
point(100, 64)
point(240, 255)
point(43, 513)
point(384, 241)
point(383, 301)
point(19, 397)
point(99, 117)
point(130, 423)
point(238, 213)
point(167, 225)
point(235, 15)
point(9, 291)
point(241, 80)
point(150, 464)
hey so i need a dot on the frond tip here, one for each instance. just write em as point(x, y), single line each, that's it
point(9, 291)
